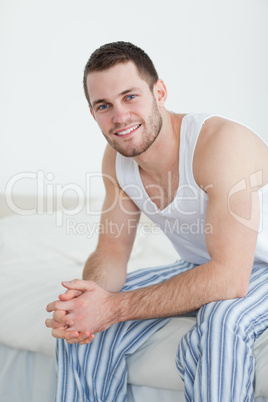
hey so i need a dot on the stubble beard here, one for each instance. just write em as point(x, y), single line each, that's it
point(150, 133)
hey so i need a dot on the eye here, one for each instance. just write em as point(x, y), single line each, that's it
point(103, 107)
point(129, 97)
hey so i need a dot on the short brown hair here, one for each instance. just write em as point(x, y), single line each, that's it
point(120, 52)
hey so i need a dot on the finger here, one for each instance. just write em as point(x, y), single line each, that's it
point(84, 337)
point(71, 341)
point(87, 340)
point(59, 314)
point(61, 333)
point(50, 323)
point(73, 337)
point(70, 294)
point(79, 336)
point(57, 305)
point(79, 284)
point(62, 317)
point(50, 307)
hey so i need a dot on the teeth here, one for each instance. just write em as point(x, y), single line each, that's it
point(128, 131)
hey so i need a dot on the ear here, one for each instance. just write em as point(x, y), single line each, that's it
point(160, 92)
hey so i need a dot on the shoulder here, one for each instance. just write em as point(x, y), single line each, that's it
point(224, 153)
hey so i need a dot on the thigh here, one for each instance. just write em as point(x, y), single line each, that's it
point(247, 316)
point(153, 364)
point(98, 370)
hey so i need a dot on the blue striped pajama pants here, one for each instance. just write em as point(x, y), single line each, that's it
point(214, 358)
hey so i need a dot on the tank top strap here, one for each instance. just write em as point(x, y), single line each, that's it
point(190, 129)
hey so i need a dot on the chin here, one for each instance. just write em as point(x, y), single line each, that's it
point(131, 153)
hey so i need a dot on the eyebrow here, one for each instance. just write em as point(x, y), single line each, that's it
point(98, 101)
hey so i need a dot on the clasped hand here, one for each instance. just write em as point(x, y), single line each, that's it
point(83, 310)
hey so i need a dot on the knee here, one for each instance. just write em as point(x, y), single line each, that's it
point(222, 316)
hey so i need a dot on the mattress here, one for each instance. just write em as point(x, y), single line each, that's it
point(37, 253)
point(31, 377)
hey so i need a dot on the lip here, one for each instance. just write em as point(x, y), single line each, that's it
point(128, 128)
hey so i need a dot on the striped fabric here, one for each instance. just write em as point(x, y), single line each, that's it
point(215, 358)
point(224, 333)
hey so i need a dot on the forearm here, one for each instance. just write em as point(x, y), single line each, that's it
point(97, 308)
point(106, 269)
point(181, 294)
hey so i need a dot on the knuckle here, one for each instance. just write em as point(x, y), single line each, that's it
point(60, 313)
point(54, 333)
point(55, 316)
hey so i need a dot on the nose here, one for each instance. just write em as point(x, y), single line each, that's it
point(120, 114)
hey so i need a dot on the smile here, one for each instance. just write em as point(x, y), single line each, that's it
point(129, 130)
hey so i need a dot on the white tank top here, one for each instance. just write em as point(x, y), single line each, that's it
point(184, 220)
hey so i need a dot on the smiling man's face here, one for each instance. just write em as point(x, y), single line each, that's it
point(125, 108)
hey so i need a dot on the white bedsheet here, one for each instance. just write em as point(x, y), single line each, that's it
point(36, 256)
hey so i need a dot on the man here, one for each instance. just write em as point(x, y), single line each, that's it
point(175, 168)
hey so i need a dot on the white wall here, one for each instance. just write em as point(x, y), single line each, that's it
point(211, 54)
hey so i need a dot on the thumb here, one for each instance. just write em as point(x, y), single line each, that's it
point(79, 284)
point(70, 294)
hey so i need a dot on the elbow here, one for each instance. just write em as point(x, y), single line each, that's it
point(236, 289)
point(234, 283)
point(241, 290)
point(233, 291)
point(241, 280)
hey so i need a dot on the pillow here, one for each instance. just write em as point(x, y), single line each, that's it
point(37, 254)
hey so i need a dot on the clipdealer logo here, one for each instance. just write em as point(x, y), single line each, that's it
point(50, 200)
point(50, 196)
point(90, 229)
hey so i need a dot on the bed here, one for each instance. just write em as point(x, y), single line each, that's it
point(41, 248)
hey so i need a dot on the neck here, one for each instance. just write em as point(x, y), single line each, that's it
point(163, 155)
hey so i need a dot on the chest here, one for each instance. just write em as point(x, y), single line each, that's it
point(162, 191)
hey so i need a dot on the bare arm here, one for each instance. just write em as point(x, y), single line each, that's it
point(225, 160)
point(107, 266)
point(229, 156)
